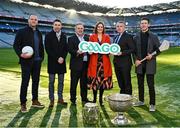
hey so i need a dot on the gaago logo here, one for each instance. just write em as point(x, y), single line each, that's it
point(95, 47)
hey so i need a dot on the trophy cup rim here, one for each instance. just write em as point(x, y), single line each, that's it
point(127, 96)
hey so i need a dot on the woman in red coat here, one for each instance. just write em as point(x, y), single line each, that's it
point(99, 69)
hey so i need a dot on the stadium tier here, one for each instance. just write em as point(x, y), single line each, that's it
point(13, 16)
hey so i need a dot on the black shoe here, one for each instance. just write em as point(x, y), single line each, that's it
point(101, 102)
point(86, 101)
point(73, 102)
point(94, 101)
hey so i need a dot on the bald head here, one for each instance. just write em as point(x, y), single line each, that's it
point(33, 21)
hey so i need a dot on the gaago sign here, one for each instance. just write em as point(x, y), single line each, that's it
point(95, 47)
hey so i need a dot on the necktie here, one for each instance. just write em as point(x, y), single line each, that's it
point(116, 41)
point(58, 35)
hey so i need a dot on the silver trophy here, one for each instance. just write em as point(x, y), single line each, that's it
point(120, 103)
point(91, 113)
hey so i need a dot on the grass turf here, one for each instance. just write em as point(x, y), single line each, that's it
point(167, 99)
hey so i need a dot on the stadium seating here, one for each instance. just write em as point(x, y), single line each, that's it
point(6, 39)
point(14, 16)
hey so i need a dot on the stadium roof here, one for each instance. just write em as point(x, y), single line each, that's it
point(73, 4)
point(149, 9)
point(92, 8)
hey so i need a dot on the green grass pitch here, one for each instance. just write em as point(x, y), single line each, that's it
point(167, 85)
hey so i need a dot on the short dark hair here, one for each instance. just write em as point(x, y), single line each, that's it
point(57, 20)
point(145, 18)
point(95, 29)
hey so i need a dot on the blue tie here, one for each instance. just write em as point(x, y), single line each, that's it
point(116, 41)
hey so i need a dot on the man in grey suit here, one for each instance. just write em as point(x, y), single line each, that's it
point(146, 43)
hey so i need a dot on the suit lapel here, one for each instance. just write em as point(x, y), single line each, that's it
point(54, 36)
point(77, 39)
point(61, 37)
point(139, 44)
point(121, 38)
point(114, 39)
point(149, 42)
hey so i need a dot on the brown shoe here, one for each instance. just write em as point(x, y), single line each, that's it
point(61, 101)
point(23, 108)
point(37, 104)
point(51, 105)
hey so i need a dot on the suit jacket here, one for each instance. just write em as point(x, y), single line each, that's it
point(153, 45)
point(56, 49)
point(76, 61)
point(92, 68)
point(25, 37)
point(127, 46)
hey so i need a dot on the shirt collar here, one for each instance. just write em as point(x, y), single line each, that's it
point(80, 36)
point(59, 33)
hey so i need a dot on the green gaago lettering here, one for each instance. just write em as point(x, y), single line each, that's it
point(95, 47)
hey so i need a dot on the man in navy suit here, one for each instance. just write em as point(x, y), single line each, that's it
point(122, 61)
point(78, 64)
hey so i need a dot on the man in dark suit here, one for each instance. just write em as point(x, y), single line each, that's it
point(146, 42)
point(30, 64)
point(122, 61)
point(78, 64)
point(56, 48)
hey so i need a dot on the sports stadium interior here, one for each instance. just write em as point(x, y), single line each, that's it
point(164, 17)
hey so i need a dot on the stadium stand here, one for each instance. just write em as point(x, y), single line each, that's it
point(6, 39)
point(13, 16)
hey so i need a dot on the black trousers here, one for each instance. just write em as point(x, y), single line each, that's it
point(101, 91)
point(150, 83)
point(75, 77)
point(32, 70)
point(123, 75)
